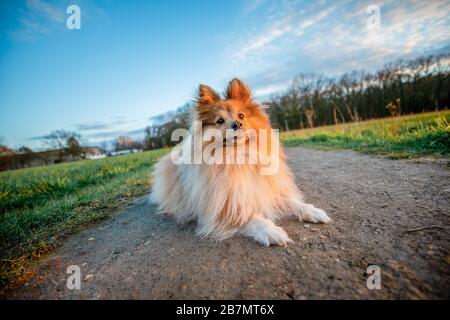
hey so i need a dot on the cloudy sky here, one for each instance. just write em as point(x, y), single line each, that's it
point(132, 60)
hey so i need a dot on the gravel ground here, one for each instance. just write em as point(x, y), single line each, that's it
point(374, 202)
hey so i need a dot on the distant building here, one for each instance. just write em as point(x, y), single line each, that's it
point(126, 151)
point(9, 160)
point(4, 151)
point(30, 159)
point(95, 156)
point(93, 153)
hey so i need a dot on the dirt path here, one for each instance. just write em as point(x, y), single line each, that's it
point(372, 200)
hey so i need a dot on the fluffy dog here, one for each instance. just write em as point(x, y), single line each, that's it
point(228, 197)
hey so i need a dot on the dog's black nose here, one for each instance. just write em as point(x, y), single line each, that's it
point(236, 125)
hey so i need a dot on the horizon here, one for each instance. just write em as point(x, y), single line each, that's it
point(131, 62)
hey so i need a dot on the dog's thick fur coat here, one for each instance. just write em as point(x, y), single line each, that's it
point(225, 199)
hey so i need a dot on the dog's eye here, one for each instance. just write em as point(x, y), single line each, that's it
point(241, 116)
point(220, 121)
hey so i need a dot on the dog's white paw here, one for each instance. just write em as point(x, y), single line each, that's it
point(266, 232)
point(314, 215)
point(272, 235)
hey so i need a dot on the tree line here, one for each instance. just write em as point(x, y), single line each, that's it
point(401, 87)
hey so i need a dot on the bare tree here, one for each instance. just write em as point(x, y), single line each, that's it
point(24, 150)
point(58, 139)
point(73, 146)
point(63, 141)
point(126, 142)
point(310, 115)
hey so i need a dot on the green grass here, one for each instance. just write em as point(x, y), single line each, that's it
point(39, 206)
point(425, 134)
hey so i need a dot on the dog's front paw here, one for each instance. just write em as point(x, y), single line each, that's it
point(272, 235)
point(266, 232)
point(315, 215)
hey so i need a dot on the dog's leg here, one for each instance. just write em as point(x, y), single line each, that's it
point(265, 232)
point(308, 212)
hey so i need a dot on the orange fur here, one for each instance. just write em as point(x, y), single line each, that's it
point(226, 198)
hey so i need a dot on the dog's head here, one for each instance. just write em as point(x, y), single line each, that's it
point(233, 114)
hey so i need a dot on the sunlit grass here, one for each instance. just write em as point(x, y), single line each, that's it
point(38, 206)
point(400, 137)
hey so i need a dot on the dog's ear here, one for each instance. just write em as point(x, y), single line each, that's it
point(238, 90)
point(206, 95)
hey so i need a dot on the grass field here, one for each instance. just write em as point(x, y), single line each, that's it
point(400, 137)
point(39, 206)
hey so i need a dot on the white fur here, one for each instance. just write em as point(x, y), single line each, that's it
point(266, 232)
point(225, 199)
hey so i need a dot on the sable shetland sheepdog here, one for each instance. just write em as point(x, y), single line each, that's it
point(226, 198)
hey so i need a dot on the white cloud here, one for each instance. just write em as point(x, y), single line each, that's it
point(289, 25)
point(47, 10)
point(332, 38)
point(29, 29)
point(263, 93)
point(273, 32)
point(314, 20)
point(37, 20)
point(251, 6)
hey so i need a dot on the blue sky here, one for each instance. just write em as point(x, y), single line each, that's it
point(132, 60)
